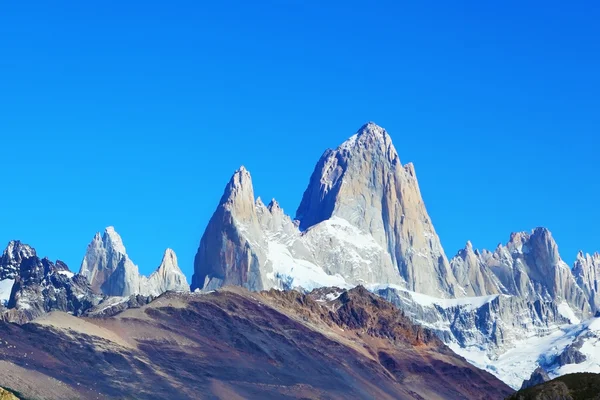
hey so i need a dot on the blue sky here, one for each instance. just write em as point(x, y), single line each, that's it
point(135, 114)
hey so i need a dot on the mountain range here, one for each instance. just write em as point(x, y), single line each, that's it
point(361, 223)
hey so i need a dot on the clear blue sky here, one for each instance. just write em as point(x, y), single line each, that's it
point(135, 114)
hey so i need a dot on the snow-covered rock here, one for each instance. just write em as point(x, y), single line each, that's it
point(12, 257)
point(39, 286)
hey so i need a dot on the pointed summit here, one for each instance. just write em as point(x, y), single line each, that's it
point(12, 257)
point(107, 266)
point(370, 138)
point(168, 276)
point(169, 261)
point(113, 240)
point(238, 196)
point(363, 182)
point(223, 254)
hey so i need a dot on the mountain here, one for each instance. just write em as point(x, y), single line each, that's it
point(362, 221)
point(36, 286)
point(111, 272)
point(581, 386)
point(237, 344)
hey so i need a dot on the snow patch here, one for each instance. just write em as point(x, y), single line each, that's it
point(5, 289)
point(68, 274)
point(567, 312)
point(295, 273)
point(468, 303)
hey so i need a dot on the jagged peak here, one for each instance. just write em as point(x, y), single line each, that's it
point(169, 263)
point(169, 258)
point(113, 240)
point(369, 135)
point(18, 250)
point(239, 186)
point(273, 206)
point(259, 203)
point(587, 257)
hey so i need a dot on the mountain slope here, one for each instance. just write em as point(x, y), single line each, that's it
point(236, 344)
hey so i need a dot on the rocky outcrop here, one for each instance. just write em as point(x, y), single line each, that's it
point(538, 377)
point(41, 286)
point(111, 272)
point(6, 395)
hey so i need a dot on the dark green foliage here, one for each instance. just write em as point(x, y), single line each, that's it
point(582, 386)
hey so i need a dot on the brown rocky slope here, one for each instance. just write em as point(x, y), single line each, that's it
point(234, 344)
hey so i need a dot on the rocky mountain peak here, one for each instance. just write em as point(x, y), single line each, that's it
point(370, 138)
point(541, 243)
point(238, 196)
point(17, 251)
point(12, 257)
point(169, 261)
point(168, 276)
point(274, 207)
point(112, 240)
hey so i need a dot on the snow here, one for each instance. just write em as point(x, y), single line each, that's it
point(297, 273)
point(68, 274)
point(517, 364)
point(468, 303)
point(5, 289)
point(567, 312)
point(348, 233)
point(333, 296)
